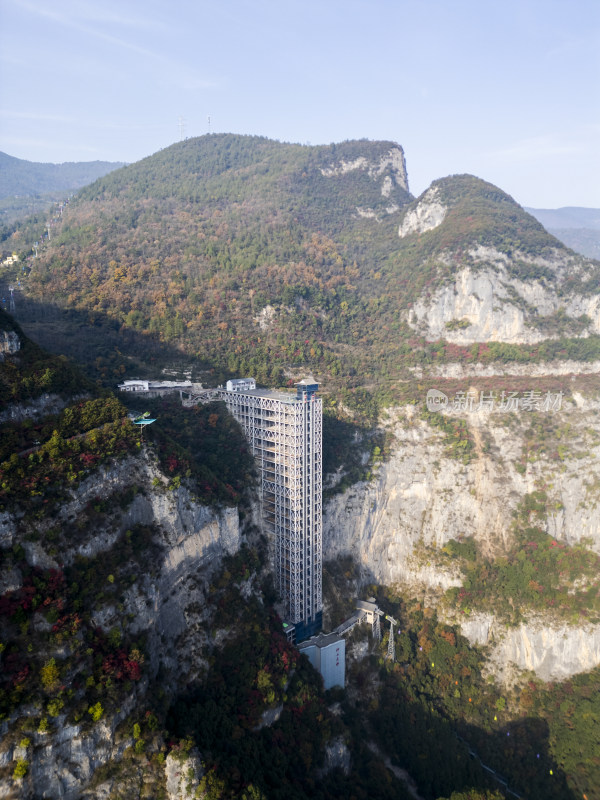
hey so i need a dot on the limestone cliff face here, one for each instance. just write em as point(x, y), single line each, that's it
point(9, 343)
point(183, 776)
point(389, 173)
point(34, 409)
point(459, 370)
point(486, 302)
point(391, 168)
point(553, 652)
point(494, 274)
point(421, 498)
point(167, 604)
point(425, 216)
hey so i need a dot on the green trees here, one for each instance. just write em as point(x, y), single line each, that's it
point(183, 252)
point(60, 461)
point(50, 675)
point(538, 573)
point(96, 711)
point(203, 445)
point(20, 769)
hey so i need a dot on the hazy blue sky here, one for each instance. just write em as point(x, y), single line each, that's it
point(509, 91)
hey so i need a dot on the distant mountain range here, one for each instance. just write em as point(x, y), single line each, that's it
point(30, 178)
point(578, 228)
point(29, 187)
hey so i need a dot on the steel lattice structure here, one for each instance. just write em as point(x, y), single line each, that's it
point(285, 433)
point(376, 627)
point(391, 652)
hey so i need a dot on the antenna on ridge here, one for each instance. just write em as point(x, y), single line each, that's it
point(181, 123)
point(209, 124)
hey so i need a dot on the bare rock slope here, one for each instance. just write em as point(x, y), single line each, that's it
point(396, 525)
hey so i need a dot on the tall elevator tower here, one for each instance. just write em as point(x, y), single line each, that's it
point(285, 433)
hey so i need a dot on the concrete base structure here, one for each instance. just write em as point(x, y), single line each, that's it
point(327, 654)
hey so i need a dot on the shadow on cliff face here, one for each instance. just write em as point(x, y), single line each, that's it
point(106, 350)
point(519, 757)
point(443, 757)
point(435, 715)
point(344, 582)
point(110, 352)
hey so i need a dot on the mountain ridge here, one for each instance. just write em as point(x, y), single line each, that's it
point(261, 257)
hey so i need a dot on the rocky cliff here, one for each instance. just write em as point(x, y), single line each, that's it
point(387, 170)
point(509, 287)
point(426, 495)
point(164, 603)
point(484, 302)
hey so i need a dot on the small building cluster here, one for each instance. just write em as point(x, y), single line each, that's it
point(155, 388)
point(10, 260)
point(241, 385)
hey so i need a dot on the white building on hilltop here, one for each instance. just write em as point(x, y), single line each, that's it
point(285, 433)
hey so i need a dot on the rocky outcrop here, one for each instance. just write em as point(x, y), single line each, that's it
point(36, 409)
point(486, 301)
point(9, 343)
point(337, 756)
point(459, 370)
point(391, 166)
point(66, 761)
point(167, 603)
point(388, 171)
point(554, 652)
point(189, 529)
point(183, 775)
point(8, 526)
point(425, 216)
point(266, 318)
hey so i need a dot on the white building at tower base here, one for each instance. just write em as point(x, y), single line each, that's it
point(327, 654)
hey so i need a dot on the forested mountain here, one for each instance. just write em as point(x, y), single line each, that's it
point(140, 652)
point(260, 257)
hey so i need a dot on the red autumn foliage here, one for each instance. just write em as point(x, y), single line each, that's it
point(50, 584)
point(120, 667)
